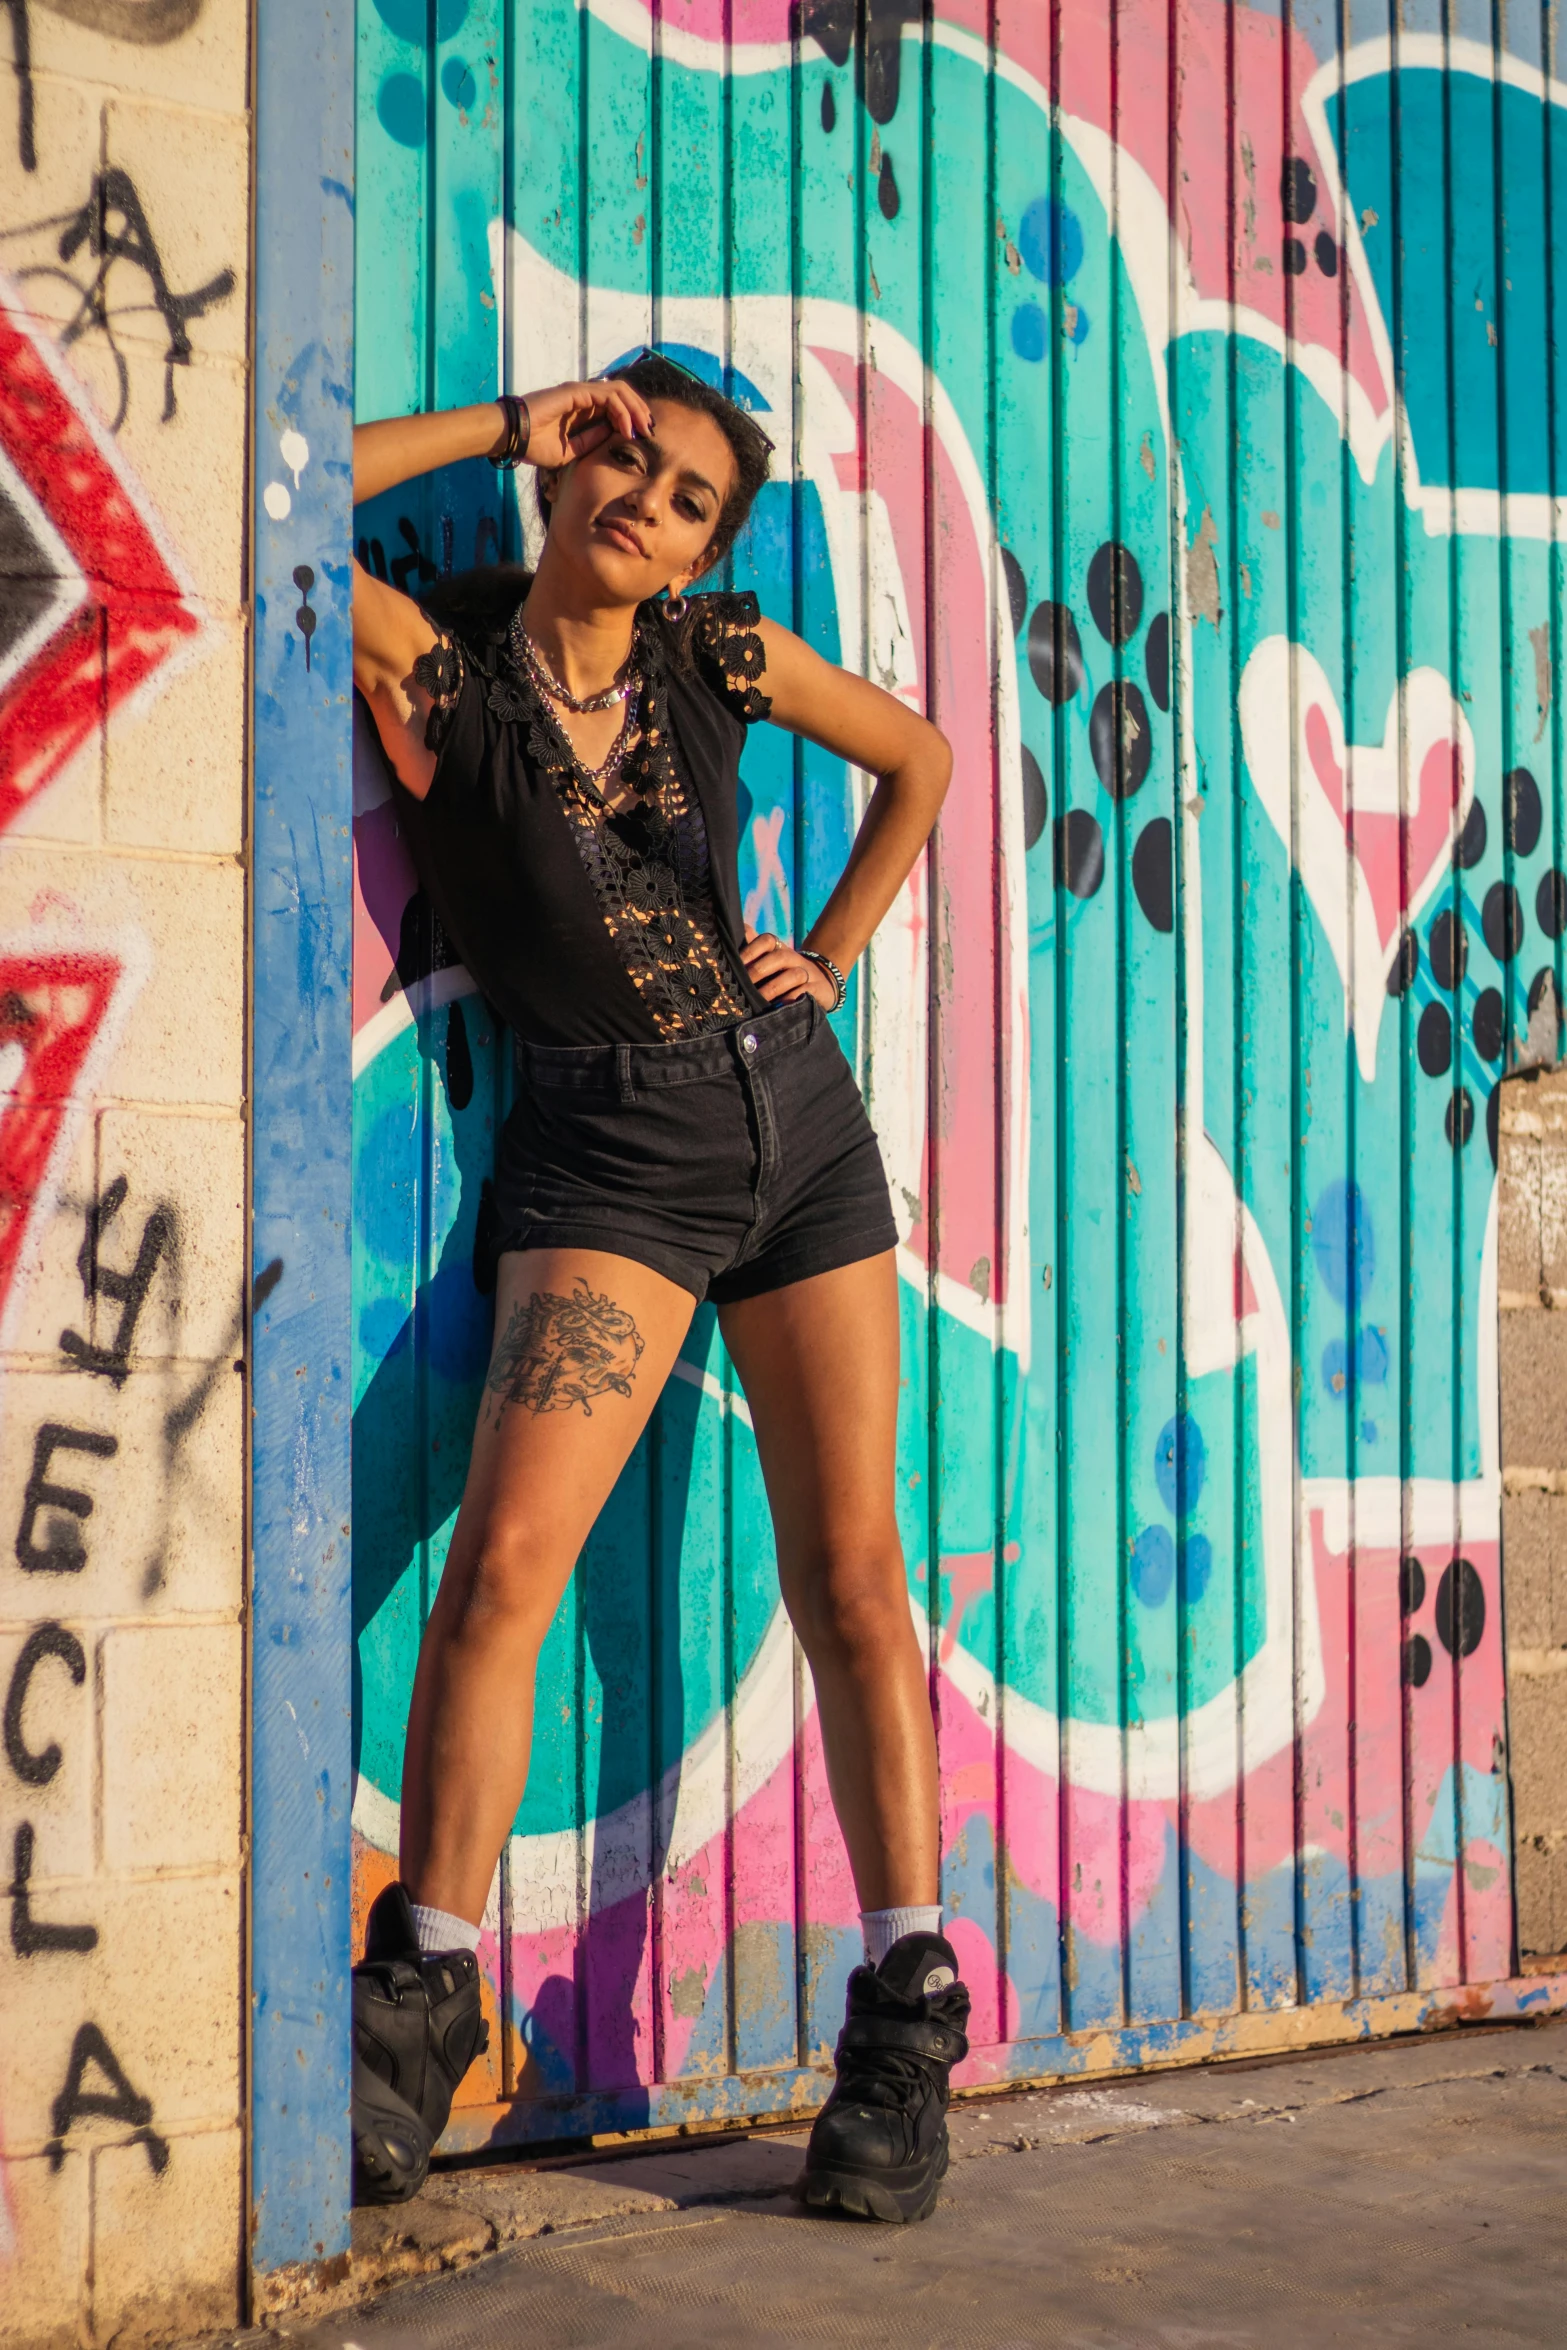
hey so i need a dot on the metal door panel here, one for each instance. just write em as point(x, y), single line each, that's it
point(1197, 1465)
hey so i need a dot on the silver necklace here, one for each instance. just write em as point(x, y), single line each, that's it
point(593, 777)
point(528, 656)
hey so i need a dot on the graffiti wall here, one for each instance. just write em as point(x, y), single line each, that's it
point(1165, 403)
point(123, 238)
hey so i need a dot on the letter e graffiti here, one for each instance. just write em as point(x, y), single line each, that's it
point(118, 2103)
point(62, 1551)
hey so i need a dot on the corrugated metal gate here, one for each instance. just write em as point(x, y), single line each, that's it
point(1166, 403)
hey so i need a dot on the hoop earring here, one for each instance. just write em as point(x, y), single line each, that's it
point(675, 607)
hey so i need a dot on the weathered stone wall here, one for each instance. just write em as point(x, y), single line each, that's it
point(1532, 1275)
point(124, 233)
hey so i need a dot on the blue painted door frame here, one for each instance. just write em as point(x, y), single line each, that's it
point(301, 1093)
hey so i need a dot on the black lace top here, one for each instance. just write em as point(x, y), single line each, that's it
point(582, 926)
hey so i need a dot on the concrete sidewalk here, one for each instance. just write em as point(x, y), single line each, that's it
point(1407, 2193)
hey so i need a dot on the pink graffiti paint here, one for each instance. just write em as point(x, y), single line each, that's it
point(1241, 80)
point(384, 881)
point(1386, 846)
point(891, 459)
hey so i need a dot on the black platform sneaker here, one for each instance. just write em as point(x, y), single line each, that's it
point(417, 2028)
point(879, 2144)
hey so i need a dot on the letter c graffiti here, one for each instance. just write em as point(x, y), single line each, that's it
point(37, 1769)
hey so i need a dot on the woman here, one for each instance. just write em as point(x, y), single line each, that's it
point(565, 751)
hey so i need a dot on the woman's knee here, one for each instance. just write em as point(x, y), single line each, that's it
point(509, 1584)
point(850, 1606)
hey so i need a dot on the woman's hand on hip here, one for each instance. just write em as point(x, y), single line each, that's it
point(781, 974)
point(571, 419)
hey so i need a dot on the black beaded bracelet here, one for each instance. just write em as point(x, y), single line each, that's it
point(519, 430)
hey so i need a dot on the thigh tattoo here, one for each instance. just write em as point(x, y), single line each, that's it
point(560, 1351)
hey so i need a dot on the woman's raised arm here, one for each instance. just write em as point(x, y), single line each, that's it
point(564, 422)
point(390, 631)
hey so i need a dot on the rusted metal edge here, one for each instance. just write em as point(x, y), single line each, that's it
point(677, 2106)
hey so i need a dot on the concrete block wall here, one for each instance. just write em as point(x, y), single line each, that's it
point(1532, 1282)
point(124, 230)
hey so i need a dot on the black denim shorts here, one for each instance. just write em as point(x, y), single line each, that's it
point(732, 1163)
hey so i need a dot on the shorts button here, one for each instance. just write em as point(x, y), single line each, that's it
point(748, 1044)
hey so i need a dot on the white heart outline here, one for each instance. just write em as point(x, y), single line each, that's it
point(1279, 685)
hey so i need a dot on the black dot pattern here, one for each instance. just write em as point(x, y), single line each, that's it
point(1550, 903)
point(1469, 847)
point(1055, 653)
point(1406, 963)
point(1522, 814)
point(1017, 588)
point(887, 189)
point(1486, 1024)
point(1434, 1040)
point(1459, 1117)
point(1153, 872)
point(1543, 984)
point(1417, 1661)
point(1298, 189)
point(1411, 1585)
point(1294, 257)
point(1460, 1609)
point(829, 108)
point(1501, 918)
point(1493, 1119)
point(1326, 254)
point(1156, 658)
point(1448, 947)
point(1115, 592)
point(1120, 738)
point(1080, 853)
point(1036, 799)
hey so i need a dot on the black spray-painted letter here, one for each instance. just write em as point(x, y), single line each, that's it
point(119, 2103)
point(35, 1768)
point(126, 1290)
point(62, 1551)
point(31, 1936)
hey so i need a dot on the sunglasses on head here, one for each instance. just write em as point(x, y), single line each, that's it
point(649, 351)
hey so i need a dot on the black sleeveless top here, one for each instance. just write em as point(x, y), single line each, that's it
point(584, 928)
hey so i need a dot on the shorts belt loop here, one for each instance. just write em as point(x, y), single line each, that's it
point(628, 1091)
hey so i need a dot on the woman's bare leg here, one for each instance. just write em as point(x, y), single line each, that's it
point(819, 1364)
point(583, 1344)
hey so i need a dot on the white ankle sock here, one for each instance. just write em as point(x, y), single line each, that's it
point(439, 1930)
point(883, 1927)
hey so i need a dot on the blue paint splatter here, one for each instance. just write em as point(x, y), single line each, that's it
point(1342, 1241)
point(1180, 1463)
point(410, 19)
point(1029, 332)
point(1371, 1363)
point(458, 83)
point(400, 107)
point(1050, 233)
point(1196, 1568)
point(1153, 1565)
